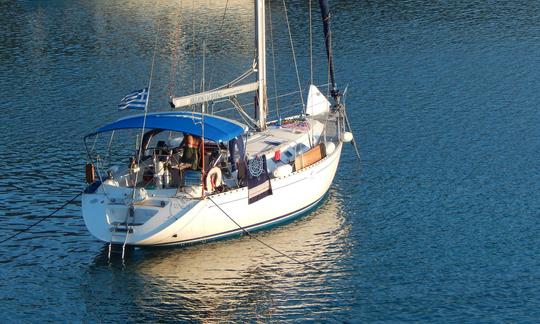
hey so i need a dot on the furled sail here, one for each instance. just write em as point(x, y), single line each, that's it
point(325, 13)
point(211, 95)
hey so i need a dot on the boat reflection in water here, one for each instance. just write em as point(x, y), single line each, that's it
point(216, 280)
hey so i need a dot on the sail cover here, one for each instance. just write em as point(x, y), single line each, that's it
point(217, 129)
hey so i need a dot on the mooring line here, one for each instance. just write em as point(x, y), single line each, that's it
point(42, 219)
point(262, 242)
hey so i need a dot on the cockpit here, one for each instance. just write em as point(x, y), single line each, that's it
point(171, 151)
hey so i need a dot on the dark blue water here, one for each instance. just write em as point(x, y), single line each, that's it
point(439, 223)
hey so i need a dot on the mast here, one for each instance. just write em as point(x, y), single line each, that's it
point(260, 40)
point(261, 104)
point(325, 13)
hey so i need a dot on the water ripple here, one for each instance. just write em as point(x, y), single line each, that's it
point(438, 223)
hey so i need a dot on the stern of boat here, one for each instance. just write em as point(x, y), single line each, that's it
point(111, 215)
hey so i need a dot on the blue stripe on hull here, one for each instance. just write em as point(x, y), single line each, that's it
point(274, 222)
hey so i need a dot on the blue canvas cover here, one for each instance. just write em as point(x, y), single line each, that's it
point(217, 129)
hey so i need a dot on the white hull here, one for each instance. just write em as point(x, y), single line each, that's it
point(183, 220)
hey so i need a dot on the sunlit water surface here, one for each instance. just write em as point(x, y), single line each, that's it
point(438, 223)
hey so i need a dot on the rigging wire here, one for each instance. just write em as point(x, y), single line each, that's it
point(146, 109)
point(194, 68)
point(109, 146)
point(238, 79)
point(94, 144)
point(247, 119)
point(310, 46)
point(353, 142)
point(329, 82)
point(42, 219)
point(220, 28)
point(294, 57)
point(174, 61)
point(273, 58)
point(203, 71)
point(283, 109)
point(204, 40)
point(262, 242)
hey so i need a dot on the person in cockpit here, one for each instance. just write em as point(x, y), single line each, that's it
point(191, 153)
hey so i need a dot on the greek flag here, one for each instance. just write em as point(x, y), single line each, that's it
point(135, 100)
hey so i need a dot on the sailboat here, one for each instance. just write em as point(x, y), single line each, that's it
point(197, 177)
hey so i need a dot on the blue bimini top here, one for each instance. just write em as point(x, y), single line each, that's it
point(217, 129)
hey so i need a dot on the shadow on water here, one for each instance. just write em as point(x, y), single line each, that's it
point(221, 280)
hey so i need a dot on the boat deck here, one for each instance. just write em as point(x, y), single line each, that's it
point(282, 137)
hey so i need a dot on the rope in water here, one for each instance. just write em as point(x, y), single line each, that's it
point(262, 242)
point(239, 226)
point(42, 219)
